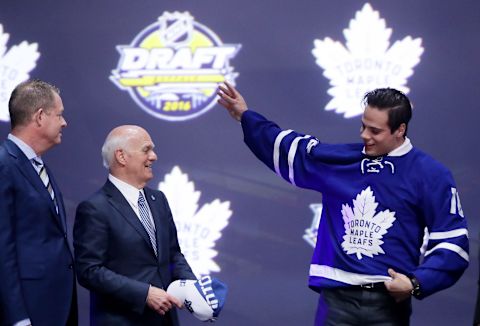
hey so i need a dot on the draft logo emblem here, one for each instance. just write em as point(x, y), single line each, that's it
point(366, 62)
point(15, 67)
point(172, 68)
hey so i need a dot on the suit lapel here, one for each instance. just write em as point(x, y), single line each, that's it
point(26, 168)
point(59, 199)
point(118, 201)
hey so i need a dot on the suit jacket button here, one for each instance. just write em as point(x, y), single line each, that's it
point(65, 235)
point(70, 266)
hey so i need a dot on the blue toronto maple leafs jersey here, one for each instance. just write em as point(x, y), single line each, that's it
point(376, 211)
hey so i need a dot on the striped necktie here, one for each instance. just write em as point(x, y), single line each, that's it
point(46, 180)
point(147, 221)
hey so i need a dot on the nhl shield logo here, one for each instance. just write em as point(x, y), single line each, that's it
point(175, 28)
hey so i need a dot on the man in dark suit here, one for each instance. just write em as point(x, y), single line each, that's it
point(37, 281)
point(125, 240)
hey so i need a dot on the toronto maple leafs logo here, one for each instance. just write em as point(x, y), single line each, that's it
point(15, 66)
point(367, 62)
point(364, 227)
point(188, 304)
point(197, 229)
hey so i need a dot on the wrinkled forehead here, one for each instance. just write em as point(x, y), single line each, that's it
point(139, 139)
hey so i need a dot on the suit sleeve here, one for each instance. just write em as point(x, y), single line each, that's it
point(11, 297)
point(179, 265)
point(446, 256)
point(91, 244)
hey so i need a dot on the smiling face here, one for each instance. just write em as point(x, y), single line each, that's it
point(137, 158)
point(376, 134)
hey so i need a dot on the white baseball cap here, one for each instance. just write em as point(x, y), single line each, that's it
point(204, 298)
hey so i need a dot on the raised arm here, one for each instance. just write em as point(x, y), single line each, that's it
point(232, 100)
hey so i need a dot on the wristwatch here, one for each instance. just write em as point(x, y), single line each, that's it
point(416, 287)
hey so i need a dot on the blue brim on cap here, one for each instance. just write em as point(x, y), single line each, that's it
point(214, 292)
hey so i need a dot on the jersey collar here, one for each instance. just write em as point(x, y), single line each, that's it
point(401, 150)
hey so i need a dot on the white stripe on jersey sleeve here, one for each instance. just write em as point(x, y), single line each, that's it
point(276, 150)
point(449, 246)
point(291, 157)
point(448, 234)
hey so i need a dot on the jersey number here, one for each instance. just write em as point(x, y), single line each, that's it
point(455, 206)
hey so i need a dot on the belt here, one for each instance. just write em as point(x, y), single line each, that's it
point(379, 286)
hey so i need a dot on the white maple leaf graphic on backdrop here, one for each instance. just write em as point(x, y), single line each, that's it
point(311, 233)
point(15, 66)
point(197, 229)
point(364, 229)
point(367, 62)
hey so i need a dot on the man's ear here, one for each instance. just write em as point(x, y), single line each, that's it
point(38, 117)
point(120, 156)
point(400, 132)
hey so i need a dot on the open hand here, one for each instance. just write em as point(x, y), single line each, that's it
point(231, 100)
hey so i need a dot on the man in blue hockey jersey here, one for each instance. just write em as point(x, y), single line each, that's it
point(380, 198)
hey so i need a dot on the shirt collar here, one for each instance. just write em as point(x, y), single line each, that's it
point(400, 150)
point(128, 191)
point(27, 150)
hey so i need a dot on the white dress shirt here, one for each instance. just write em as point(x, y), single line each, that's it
point(131, 195)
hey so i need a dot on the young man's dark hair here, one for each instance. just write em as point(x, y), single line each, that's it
point(398, 106)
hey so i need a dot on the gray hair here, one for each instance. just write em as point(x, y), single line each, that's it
point(118, 138)
point(111, 144)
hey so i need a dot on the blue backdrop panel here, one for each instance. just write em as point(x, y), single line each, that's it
point(262, 255)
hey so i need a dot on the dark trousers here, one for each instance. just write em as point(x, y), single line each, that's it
point(73, 315)
point(361, 307)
